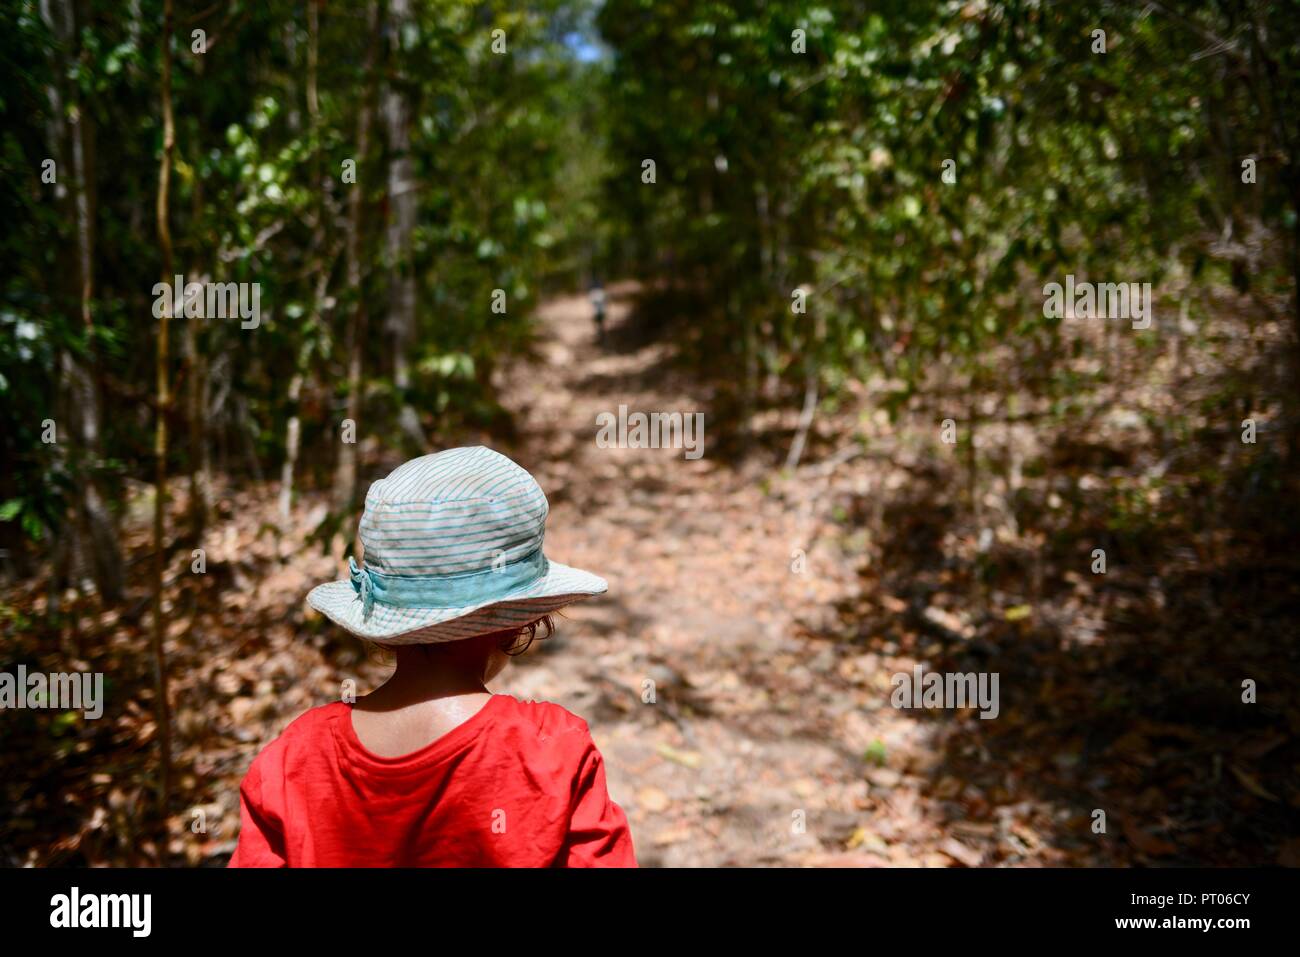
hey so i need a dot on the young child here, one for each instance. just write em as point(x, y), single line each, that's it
point(597, 295)
point(432, 769)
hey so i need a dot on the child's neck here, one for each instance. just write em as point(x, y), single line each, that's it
point(420, 677)
point(424, 699)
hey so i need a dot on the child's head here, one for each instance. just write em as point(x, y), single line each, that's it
point(452, 555)
point(482, 657)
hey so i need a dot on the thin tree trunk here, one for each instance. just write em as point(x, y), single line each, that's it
point(1015, 461)
point(200, 478)
point(805, 417)
point(92, 513)
point(313, 101)
point(196, 369)
point(291, 438)
point(160, 434)
point(61, 557)
point(345, 476)
point(973, 484)
point(972, 460)
point(401, 223)
point(1293, 426)
point(812, 380)
point(293, 428)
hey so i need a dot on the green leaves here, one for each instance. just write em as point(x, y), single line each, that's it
point(452, 365)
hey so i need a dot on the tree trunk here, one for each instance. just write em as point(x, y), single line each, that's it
point(345, 476)
point(200, 480)
point(293, 429)
point(92, 515)
point(160, 434)
point(401, 222)
point(1292, 397)
point(196, 373)
point(805, 416)
point(291, 438)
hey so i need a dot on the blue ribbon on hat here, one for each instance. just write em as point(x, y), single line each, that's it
point(445, 591)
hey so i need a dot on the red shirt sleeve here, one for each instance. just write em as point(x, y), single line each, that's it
point(598, 832)
point(261, 839)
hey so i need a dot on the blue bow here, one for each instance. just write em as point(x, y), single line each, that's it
point(362, 585)
point(446, 591)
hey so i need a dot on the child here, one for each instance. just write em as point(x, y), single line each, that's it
point(432, 769)
point(597, 295)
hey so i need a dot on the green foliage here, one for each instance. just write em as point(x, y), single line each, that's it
point(823, 167)
point(504, 201)
point(798, 146)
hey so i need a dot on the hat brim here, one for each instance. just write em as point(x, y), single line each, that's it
point(561, 585)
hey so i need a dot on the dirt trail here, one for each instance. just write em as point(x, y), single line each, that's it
point(753, 751)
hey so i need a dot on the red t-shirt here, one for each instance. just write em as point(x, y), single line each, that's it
point(517, 785)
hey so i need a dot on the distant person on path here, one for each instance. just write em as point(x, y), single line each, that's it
point(597, 295)
point(432, 769)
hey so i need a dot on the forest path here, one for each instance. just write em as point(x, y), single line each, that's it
point(771, 739)
point(753, 750)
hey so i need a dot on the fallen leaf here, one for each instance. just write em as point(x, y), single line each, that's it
point(1147, 843)
point(1251, 784)
point(673, 835)
point(690, 759)
point(653, 799)
point(961, 853)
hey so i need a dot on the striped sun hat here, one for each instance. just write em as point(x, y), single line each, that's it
point(453, 549)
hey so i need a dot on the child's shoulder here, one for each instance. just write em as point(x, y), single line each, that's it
point(547, 737)
point(548, 718)
point(313, 722)
point(305, 730)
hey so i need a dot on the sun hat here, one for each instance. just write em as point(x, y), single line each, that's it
point(453, 549)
